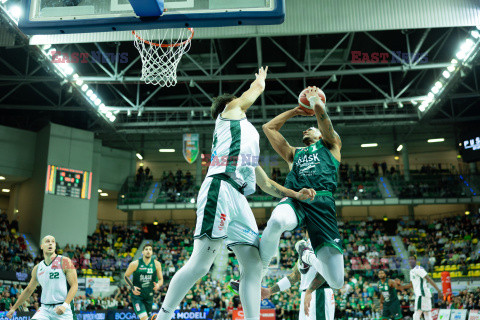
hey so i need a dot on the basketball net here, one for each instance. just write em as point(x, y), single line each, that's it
point(161, 51)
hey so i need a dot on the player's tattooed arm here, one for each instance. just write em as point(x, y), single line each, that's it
point(329, 136)
point(293, 277)
point(274, 189)
point(316, 283)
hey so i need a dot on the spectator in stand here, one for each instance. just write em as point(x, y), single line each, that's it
point(148, 175)
point(375, 168)
point(384, 168)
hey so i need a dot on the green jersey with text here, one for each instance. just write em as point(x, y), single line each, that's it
point(389, 293)
point(313, 167)
point(144, 278)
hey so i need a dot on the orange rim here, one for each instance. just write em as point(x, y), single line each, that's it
point(164, 45)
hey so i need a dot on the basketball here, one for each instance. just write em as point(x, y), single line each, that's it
point(304, 104)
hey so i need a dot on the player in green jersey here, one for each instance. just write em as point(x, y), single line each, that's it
point(313, 166)
point(388, 297)
point(147, 277)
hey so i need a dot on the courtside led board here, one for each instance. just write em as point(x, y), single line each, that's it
point(84, 16)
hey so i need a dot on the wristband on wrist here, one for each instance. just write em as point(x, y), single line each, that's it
point(65, 305)
point(284, 284)
point(312, 101)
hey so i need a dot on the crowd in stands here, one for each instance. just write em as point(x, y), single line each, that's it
point(179, 187)
point(14, 255)
point(367, 249)
point(448, 243)
point(143, 176)
point(445, 186)
point(109, 250)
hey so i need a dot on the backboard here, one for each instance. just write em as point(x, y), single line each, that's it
point(84, 16)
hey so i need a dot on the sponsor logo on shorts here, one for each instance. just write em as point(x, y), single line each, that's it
point(249, 231)
point(223, 218)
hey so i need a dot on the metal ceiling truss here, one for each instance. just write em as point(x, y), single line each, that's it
point(204, 75)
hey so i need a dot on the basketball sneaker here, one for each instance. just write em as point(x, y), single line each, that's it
point(234, 286)
point(302, 247)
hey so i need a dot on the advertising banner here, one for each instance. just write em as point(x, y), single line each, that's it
point(14, 276)
point(127, 314)
point(435, 314)
point(444, 314)
point(98, 285)
point(265, 314)
point(474, 315)
point(458, 314)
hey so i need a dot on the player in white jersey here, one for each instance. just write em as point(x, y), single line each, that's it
point(54, 274)
point(423, 296)
point(320, 300)
point(222, 209)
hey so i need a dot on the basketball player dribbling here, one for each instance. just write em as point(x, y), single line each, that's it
point(314, 166)
point(222, 208)
point(58, 278)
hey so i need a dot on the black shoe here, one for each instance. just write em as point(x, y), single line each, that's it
point(301, 246)
point(234, 286)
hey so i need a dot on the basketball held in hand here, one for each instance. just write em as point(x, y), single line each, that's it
point(304, 104)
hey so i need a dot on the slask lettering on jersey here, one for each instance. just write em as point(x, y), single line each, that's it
point(308, 158)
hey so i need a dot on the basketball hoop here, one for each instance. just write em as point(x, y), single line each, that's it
point(161, 51)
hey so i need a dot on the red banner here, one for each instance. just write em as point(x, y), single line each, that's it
point(265, 314)
point(446, 285)
point(435, 314)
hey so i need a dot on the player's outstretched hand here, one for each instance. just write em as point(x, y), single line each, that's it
point(266, 293)
point(300, 112)
point(10, 313)
point(60, 310)
point(136, 291)
point(262, 73)
point(306, 194)
point(307, 300)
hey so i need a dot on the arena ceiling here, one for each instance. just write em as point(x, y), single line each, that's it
point(368, 102)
